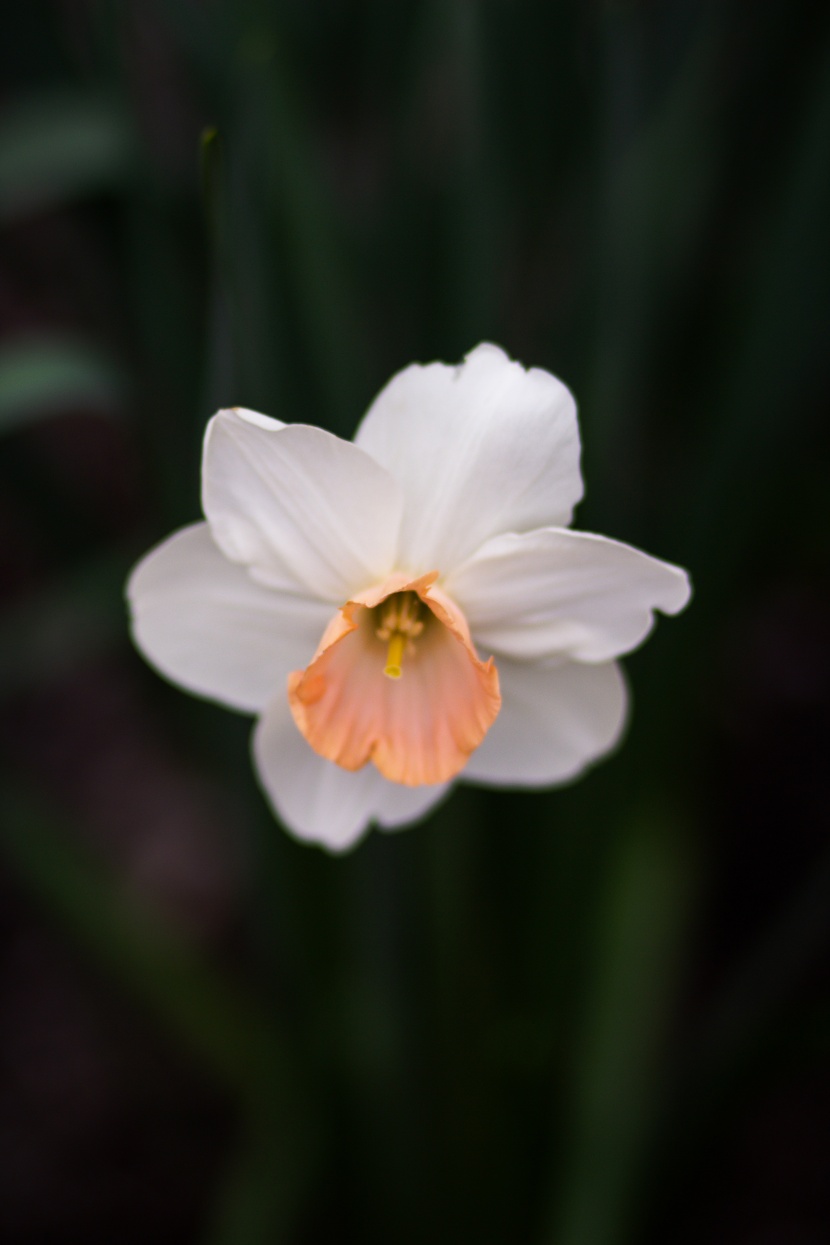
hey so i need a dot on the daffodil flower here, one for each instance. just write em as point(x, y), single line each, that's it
point(406, 609)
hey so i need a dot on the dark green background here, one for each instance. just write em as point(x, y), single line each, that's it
point(595, 1016)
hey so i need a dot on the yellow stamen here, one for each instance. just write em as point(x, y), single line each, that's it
point(394, 656)
point(399, 627)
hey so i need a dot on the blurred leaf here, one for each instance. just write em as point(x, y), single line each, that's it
point(262, 1193)
point(767, 389)
point(657, 184)
point(616, 1083)
point(221, 1025)
point(58, 148)
point(454, 33)
point(759, 994)
point(757, 1031)
point(665, 180)
point(223, 1028)
point(279, 243)
point(51, 630)
point(211, 165)
point(305, 212)
point(45, 377)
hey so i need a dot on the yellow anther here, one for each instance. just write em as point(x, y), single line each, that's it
point(394, 656)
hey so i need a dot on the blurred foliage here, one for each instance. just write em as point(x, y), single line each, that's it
point(556, 1017)
point(41, 377)
point(54, 149)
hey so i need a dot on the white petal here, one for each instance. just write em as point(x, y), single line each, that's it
point(554, 721)
point(400, 806)
point(296, 503)
point(478, 449)
point(571, 593)
point(317, 800)
point(203, 622)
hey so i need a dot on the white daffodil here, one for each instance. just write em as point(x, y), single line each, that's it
point(406, 609)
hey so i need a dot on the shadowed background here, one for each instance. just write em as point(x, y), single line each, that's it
point(593, 1016)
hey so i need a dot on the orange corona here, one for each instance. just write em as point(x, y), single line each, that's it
point(396, 681)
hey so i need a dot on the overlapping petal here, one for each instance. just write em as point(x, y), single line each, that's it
point(320, 802)
point(554, 721)
point(298, 504)
point(552, 592)
point(479, 449)
point(398, 806)
point(204, 623)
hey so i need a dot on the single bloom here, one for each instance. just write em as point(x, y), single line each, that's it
point(406, 609)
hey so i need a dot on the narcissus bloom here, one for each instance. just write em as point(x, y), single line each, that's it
point(406, 609)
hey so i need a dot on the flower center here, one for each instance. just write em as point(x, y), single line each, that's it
point(399, 625)
point(421, 730)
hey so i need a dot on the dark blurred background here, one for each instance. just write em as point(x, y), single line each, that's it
point(594, 1016)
